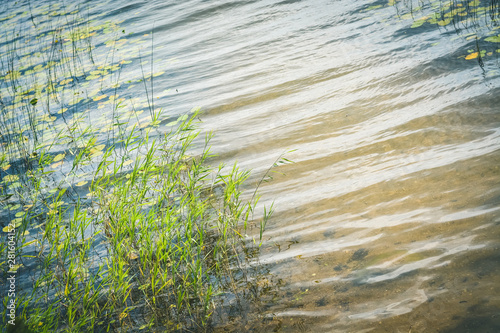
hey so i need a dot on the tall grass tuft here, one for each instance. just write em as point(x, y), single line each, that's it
point(117, 226)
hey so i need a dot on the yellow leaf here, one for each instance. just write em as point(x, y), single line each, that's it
point(98, 98)
point(472, 56)
point(83, 182)
point(8, 229)
point(6, 167)
point(59, 157)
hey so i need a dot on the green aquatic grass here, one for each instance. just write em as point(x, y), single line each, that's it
point(119, 226)
point(476, 21)
point(157, 242)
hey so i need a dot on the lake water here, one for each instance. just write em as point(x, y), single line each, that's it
point(389, 219)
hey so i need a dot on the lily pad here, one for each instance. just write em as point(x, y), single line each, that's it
point(494, 39)
point(100, 97)
point(59, 157)
point(472, 56)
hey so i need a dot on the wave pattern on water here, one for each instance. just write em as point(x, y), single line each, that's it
point(389, 217)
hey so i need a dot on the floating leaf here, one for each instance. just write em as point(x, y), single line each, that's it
point(419, 22)
point(66, 81)
point(59, 157)
point(15, 185)
point(48, 118)
point(473, 55)
point(8, 229)
point(494, 39)
point(17, 222)
point(34, 101)
point(100, 97)
point(158, 74)
point(444, 22)
point(373, 7)
point(10, 178)
point(14, 268)
point(83, 182)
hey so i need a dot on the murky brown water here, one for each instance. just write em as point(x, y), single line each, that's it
point(389, 221)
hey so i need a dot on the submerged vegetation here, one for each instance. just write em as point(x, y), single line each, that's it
point(475, 20)
point(109, 221)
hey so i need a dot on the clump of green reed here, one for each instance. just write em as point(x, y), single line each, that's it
point(116, 225)
point(171, 236)
point(156, 245)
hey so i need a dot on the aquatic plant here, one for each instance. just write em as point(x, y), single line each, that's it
point(115, 222)
point(474, 20)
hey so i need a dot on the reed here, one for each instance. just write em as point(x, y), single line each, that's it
point(117, 224)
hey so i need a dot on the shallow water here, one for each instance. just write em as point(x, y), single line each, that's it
point(388, 221)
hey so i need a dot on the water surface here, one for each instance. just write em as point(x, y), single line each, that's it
point(388, 221)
